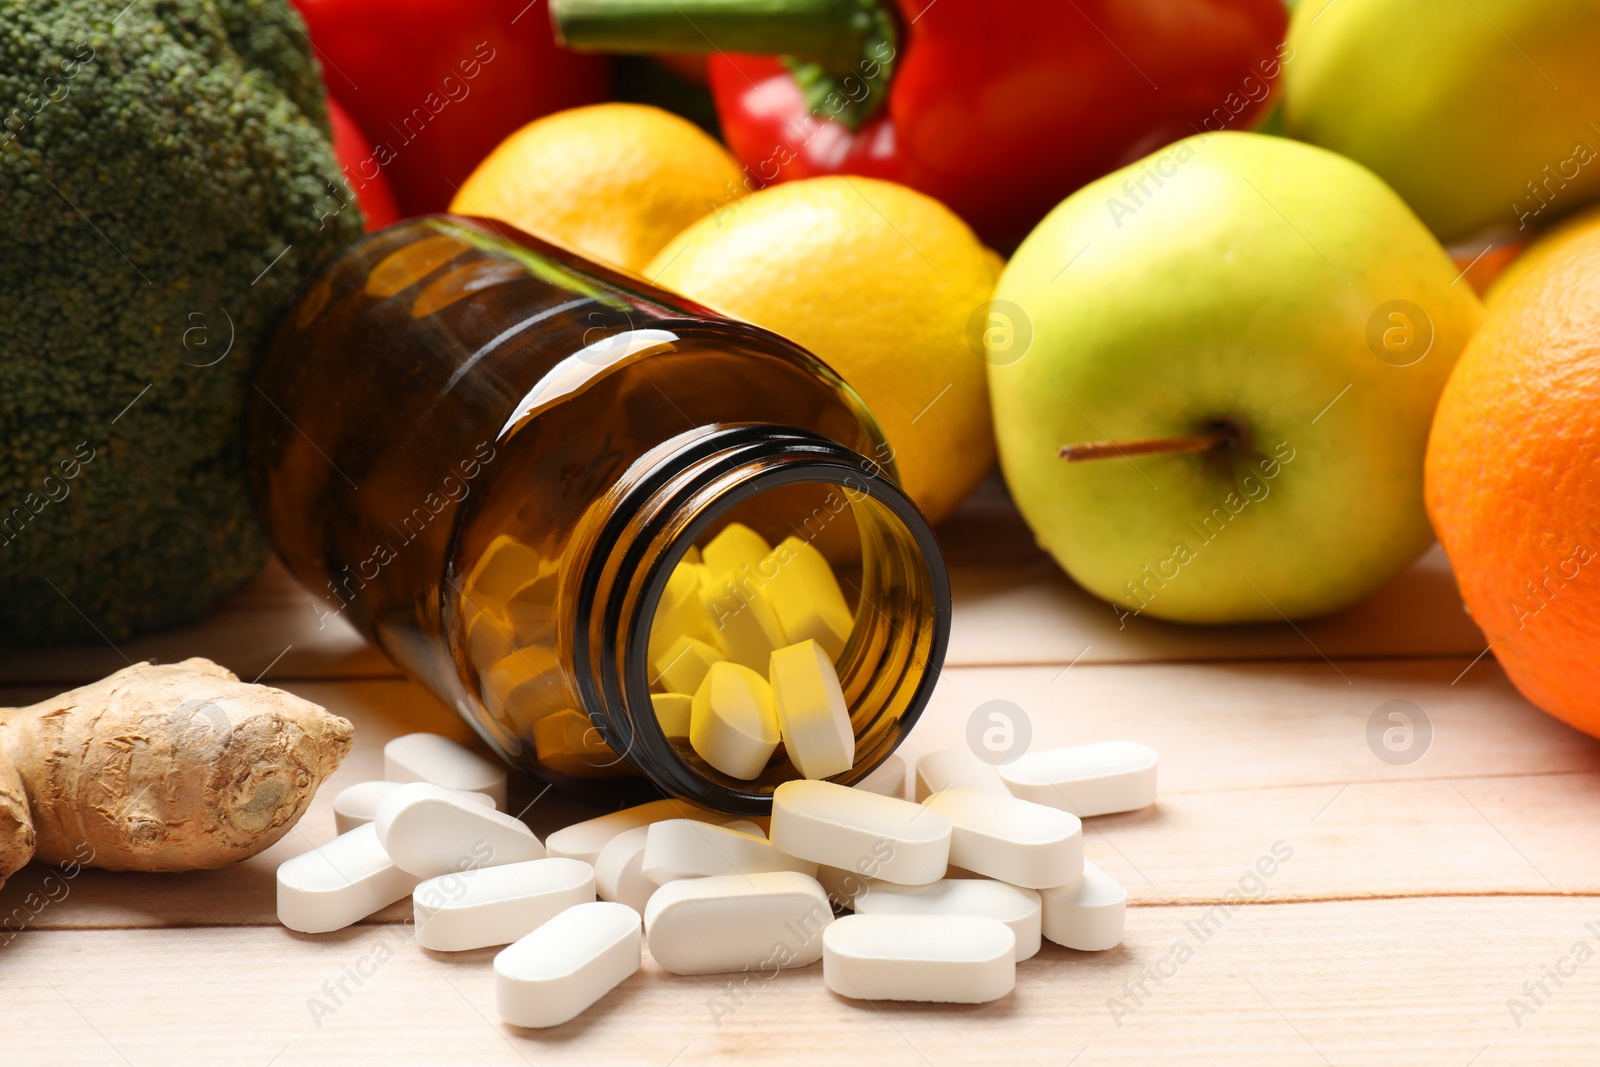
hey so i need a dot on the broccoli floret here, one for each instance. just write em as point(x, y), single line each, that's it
point(166, 182)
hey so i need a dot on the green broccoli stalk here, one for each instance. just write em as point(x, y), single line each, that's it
point(166, 182)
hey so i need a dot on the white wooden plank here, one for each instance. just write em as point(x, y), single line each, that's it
point(1231, 726)
point(1030, 612)
point(272, 625)
point(1422, 981)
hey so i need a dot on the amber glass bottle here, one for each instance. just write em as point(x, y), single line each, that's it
point(489, 453)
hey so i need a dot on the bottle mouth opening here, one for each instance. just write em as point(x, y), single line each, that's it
point(786, 483)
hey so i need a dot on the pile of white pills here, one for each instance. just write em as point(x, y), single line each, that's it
point(948, 893)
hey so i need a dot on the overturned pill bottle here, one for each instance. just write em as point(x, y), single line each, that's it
point(559, 497)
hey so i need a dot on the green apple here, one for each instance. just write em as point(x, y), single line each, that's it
point(1269, 297)
point(1481, 113)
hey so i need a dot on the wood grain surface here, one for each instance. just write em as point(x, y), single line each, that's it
point(1437, 911)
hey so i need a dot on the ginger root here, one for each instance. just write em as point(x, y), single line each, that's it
point(174, 767)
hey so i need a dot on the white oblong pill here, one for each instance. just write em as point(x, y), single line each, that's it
point(1086, 914)
point(672, 712)
point(735, 547)
point(497, 905)
point(954, 959)
point(743, 621)
point(1018, 908)
point(732, 723)
point(440, 761)
point(489, 636)
point(843, 827)
point(1099, 779)
point(813, 718)
point(681, 613)
point(1013, 840)
point(339, 883)
point(564, 966)
point(684, 664)
point(430, 831)
point(506, 563)
point(355, 805)
point(951, 768)
point(738, 921)
point(684, 848)
point(584, 840)
point(805, 595)
point(887, 779)
point(523, 684)
point(619, 870)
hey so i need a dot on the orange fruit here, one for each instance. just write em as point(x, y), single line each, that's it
point(879, 282)
point(613, 181)
point(1556, 237)
point(1513, 479)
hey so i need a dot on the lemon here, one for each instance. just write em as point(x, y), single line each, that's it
point(614, 181)
point(879, 282)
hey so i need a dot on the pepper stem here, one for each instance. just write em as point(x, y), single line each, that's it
point(841, 51)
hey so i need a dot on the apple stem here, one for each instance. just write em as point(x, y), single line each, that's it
point(1149, 446)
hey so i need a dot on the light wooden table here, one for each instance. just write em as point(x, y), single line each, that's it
point(1441, 911)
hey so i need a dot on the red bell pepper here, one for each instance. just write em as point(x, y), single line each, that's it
point(436, 84)
point(999, 108)
point(351, 148)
